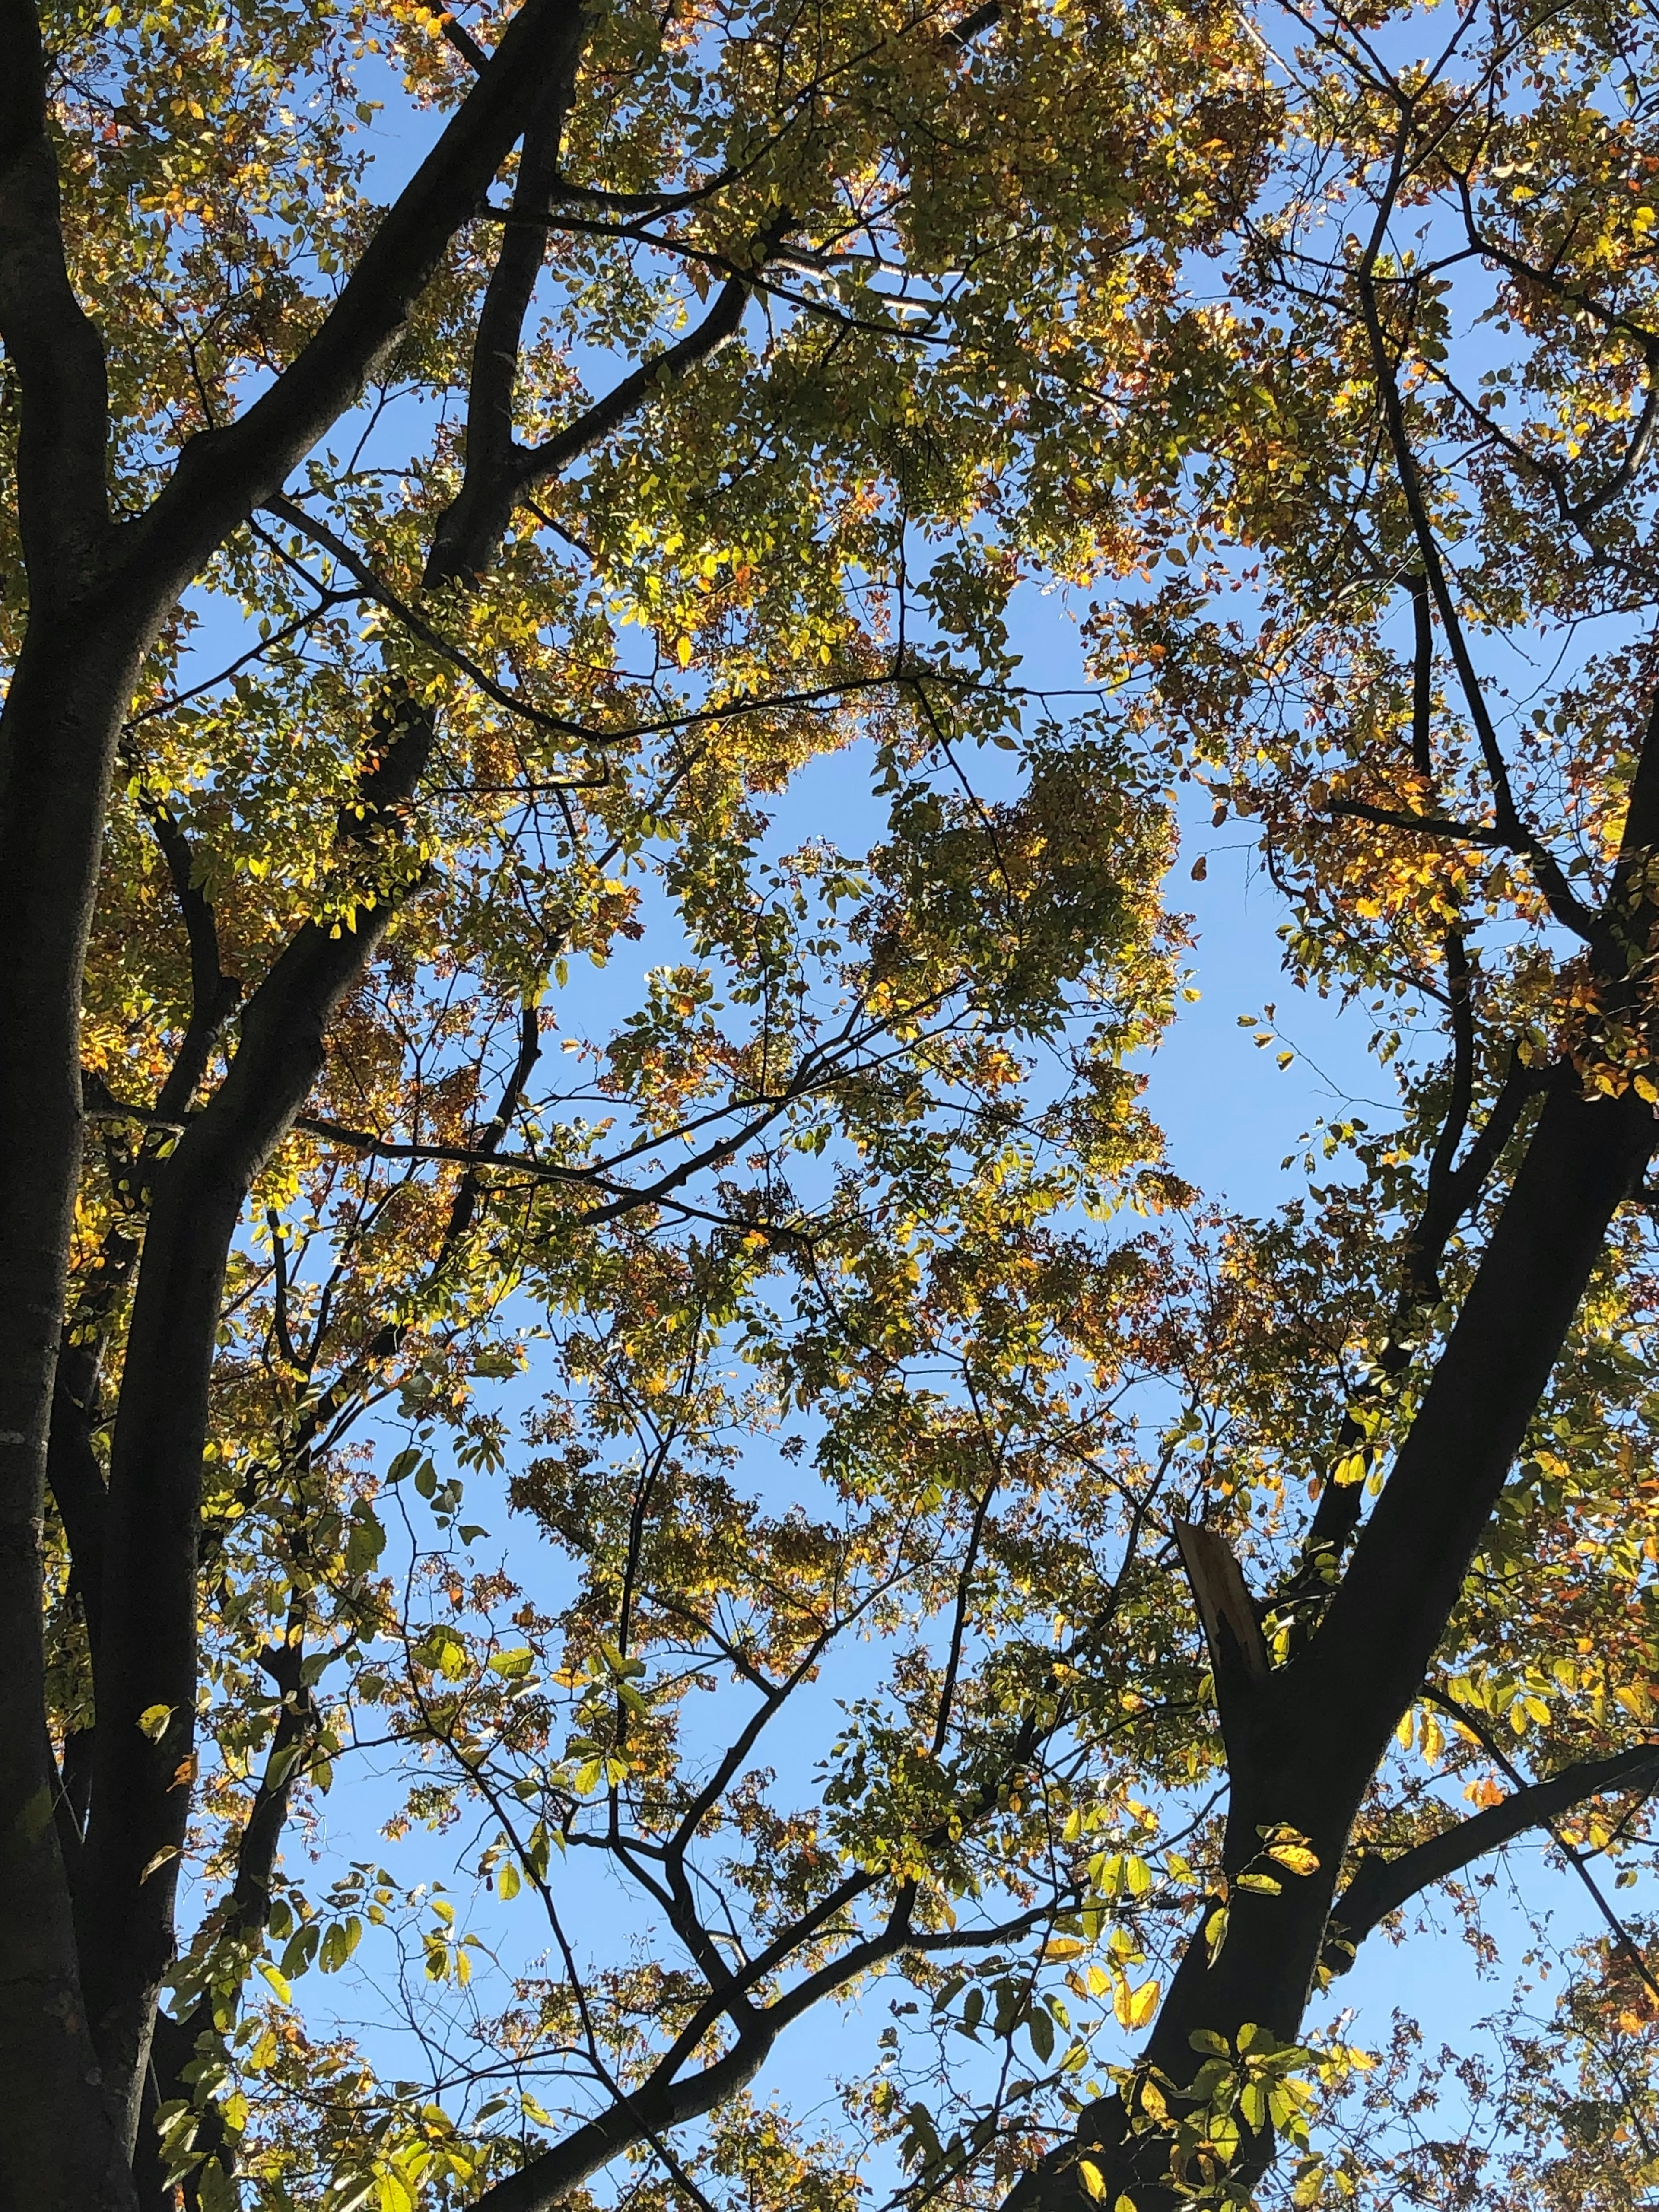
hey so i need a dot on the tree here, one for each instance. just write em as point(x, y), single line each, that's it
point(1443, 430)
point(282, 910)
point(885, 311)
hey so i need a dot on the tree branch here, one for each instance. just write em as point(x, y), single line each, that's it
point(1238, 1657)
point(54, 345)
point(376, 587)
point(1562, 900)
point(146, 1660)
point(465, 538)
point(215, 996)
point(1428, 825)
point(1382, 1886)
point(223, 474)
point(506, 472)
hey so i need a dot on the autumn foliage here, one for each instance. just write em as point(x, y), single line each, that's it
point(617, 1431)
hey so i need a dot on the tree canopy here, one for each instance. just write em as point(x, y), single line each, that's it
point(616, 1427)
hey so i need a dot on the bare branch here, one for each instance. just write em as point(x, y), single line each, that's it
point(1562, 901)
point(1428, 825)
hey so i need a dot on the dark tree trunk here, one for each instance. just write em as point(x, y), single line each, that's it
point(56, 742)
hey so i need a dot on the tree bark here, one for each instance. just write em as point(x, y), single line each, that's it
point(56, 740)
point(98, 597)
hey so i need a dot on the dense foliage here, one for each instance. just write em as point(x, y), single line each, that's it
point(634, 1435)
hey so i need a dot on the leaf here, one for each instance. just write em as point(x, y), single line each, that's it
point(1093, 2179)
point(365, 1541)
point(1295, 1857)
point(153, 1722)
point(393, 2191)
point(214, 2189)
point(278, 1982)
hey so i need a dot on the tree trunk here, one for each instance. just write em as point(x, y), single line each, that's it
point(57, 732)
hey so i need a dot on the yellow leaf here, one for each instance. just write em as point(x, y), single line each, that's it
point(684, 649)
point(1296, 1856)
point(153, 1721)
point(1093, 2179)
point(394, 2192)
point(278, 1981)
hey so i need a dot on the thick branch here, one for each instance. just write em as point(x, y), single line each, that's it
point(465, 541)
point(469, 532)
point(1422, 679)
point(72, 1473)
point(146, 1661)
point(1382, 1886)
point(223, 474)
point(1238, 1657)
point(1585, 1158)
point(214, 996)
point(1426, 825)
point(55, 349)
